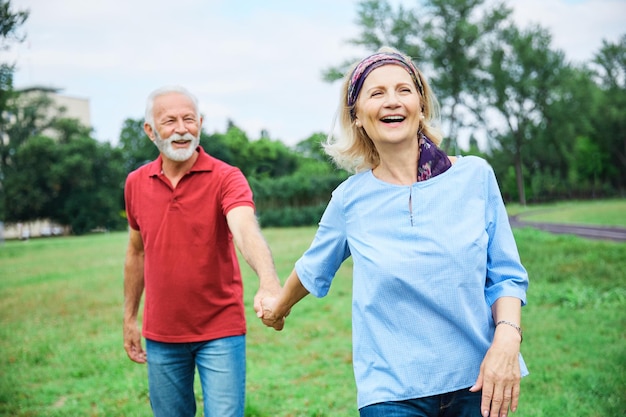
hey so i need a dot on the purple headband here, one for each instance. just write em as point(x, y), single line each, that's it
point(372, 62)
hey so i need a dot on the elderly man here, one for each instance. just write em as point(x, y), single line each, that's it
point(185, 209)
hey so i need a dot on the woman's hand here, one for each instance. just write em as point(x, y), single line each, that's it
point(500, 375)
point(268, 314)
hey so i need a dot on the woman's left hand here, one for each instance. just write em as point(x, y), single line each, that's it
point(500, 375)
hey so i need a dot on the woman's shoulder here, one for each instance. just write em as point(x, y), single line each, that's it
point(354, 181)
point(470, 161)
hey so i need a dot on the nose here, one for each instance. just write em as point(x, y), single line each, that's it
point(392, 99)
point(181, 128)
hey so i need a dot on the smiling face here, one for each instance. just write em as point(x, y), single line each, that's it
point(388, 107)
point(177, 126)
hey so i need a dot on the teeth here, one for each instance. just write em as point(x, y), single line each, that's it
point(393, 119)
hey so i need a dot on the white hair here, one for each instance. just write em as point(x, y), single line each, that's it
point(149, 116)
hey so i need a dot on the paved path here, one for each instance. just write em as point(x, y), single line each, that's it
point(617, 234)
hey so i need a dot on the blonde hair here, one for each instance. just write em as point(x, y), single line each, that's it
point(353, 150)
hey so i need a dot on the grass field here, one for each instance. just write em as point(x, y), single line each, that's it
point(61, 348)
point(603, 212)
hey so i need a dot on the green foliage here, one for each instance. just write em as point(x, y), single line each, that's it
point(10, 23)
point(31, 185)
point(90, 187)
point(78, 183)
point(312, 147)
point(510, 83)
point(135, 145)
point(609, 116)
point(296, 200)
point(560, 134)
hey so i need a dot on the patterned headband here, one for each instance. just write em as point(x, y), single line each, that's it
point(372, 62)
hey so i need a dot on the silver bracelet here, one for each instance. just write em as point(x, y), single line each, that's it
point(519, 329)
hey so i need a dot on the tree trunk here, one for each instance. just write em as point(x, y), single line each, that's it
point(519, 176)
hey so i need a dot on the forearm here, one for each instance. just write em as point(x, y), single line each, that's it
point(252, 245)
point(257, 254)
point(292, 292)
point(508, 312)
point(133, 286)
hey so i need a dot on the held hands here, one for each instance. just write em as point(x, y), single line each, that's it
point(269, 316)
point(273, 308)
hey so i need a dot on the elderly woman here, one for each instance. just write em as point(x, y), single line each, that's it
point(438, 284)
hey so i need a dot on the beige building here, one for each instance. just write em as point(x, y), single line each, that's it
point(75, 108)
point(62, 105)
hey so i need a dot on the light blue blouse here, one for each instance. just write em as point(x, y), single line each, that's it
point(429, 261)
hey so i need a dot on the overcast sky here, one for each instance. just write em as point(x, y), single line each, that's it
point(258, 63)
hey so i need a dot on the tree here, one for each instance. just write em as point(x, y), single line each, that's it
point(446, 38)
point(78, 183)
point(66, 129)
point(28, 115)
point(32, 185)
point(90, 186)
point(552, 156)
point(382, 25)
point(10, 24)
point(456, 33)
point(609, 124)
point(269, 158)
point(137, 149)
point(522, 76)
point(312, 147)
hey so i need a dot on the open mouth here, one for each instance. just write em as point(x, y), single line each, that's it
point(393, 119)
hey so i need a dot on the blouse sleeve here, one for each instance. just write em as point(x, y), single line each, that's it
point(506, 276)
point(319, 264)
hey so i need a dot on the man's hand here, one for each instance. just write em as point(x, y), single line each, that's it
point(268, 315)
point(132, 343)
point(265, 291)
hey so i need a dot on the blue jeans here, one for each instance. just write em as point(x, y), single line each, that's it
point(221, 365)
point(461, 403)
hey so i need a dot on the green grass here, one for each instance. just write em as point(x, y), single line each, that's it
point(594, 212)
point(61, 348)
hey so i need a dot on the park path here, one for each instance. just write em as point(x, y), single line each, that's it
point(617, 234)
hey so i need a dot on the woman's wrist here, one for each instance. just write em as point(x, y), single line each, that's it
point(512, 325)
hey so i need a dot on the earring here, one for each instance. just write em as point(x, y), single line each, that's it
point(357, 123)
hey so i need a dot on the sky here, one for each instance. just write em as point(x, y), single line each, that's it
point(257, 63)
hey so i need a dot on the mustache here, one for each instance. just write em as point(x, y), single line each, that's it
point(175, 136)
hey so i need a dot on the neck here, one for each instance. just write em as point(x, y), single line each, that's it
point(398, 166)
point(175, 170)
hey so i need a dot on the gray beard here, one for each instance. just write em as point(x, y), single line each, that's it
point(179, 155)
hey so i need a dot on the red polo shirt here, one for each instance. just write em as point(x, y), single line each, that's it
point(193, 288)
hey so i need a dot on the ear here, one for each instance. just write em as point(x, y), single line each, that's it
point(148, 129)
